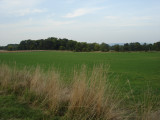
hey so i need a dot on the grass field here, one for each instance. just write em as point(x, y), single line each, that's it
point(140, 68)
point(11, 108)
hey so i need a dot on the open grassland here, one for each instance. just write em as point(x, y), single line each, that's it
point(112, 86)
point(140, 68)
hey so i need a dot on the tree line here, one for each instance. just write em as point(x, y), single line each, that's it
point(53, 43)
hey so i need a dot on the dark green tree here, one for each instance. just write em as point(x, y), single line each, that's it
point(126, 47)
point(96, 46)
point(104, 47)
point(116, 47)
point(156, 46)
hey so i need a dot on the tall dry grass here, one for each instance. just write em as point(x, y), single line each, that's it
point(90, 95)
point(93, 96)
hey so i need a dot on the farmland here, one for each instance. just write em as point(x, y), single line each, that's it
point(141, 69)
point(138, 67)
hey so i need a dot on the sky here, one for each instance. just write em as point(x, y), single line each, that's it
point(109, 21)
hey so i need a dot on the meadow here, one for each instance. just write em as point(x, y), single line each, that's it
point(140, 68)
point(136, 73)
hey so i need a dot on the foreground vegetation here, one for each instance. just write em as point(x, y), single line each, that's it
point(12, 108)
point(89, 95)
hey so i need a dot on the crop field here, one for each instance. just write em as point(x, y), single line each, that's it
point(138, 72)
point(138, 67)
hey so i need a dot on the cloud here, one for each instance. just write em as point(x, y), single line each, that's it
point(81, 12)
point(23, 12)
point(20, 7)
point(12, 4)
point(34, 24)
point(52, 23)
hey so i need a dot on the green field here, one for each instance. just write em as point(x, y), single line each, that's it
point(141, 68)
point(11, 108)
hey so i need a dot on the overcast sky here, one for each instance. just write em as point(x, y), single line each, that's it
point(110, 21)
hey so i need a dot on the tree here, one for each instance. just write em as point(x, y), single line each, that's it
point(78, 47)
point(156, 46)
point(61, 48)
point(117, 48)
point(138, 46)
point(96, 47)
point(126, 47)
point(146, 47)
point(11, 47)
point(22, 45)
point(104, 47)
point(54, 43)
point(2, 47)
point(71, 45)
point(90, 46)
point(85, 47)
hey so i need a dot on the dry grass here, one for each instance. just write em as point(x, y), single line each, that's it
point(90, 95)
